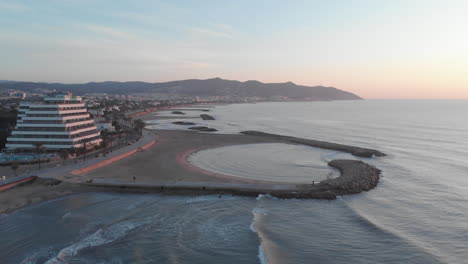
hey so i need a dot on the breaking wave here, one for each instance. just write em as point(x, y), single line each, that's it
point(214, 197)
point(268, 251)
point(100, 237)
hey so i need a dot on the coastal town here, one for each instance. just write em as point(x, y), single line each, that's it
point(59, 124)
point(253, 132)
point(110, 113)
point(46, 129)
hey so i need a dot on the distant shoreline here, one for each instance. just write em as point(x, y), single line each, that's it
point(230, 90)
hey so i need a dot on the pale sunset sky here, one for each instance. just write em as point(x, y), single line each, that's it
point(374, 48)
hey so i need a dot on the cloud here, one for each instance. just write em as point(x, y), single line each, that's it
point(224, 27)
point(211, 33)
point(12, 6)
point(108, 32)
point(140, 18)
point(194, 65)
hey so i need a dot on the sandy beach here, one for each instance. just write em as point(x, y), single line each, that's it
point(38, 191)
point(163, 166)
point(161, 163)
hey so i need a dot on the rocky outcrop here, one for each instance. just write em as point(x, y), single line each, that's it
point(203, 129)
point(356, 151)
point(183, 123)
point(356, 176)
point(206, 117)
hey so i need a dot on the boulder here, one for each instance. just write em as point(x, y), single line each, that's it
point(206, 117)
point(203, 129)
point(182, 123)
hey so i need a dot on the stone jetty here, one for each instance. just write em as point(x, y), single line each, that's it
point(356, 151)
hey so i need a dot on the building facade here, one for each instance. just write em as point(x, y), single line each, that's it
point(105, 126)
point(60, 121)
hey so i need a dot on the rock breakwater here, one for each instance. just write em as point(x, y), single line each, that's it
point(356, 151)
point(356, 177)
point(203, 129)
point(206, 117)
point(183, 123)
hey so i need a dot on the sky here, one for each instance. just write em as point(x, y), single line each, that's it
point(374, 48)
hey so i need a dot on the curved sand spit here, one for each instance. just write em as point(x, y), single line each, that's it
point(164, 169)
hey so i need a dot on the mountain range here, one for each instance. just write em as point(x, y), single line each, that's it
point(194, 87)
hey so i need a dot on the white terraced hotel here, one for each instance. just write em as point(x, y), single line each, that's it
point(60, 121)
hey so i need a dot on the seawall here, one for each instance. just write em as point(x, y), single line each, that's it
point(356, 176)
point(356, 151)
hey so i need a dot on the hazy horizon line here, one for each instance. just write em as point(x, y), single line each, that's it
point(265, 82)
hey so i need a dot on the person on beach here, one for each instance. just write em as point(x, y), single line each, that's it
point(134, 178)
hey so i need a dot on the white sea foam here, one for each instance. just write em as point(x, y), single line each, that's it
point(71, 216)
point(36, 256)
point(261, 255)
point(265, 196)
point(100, 237)
point(259, 211)
point(206, 198)
point(252, 227)
point(268, 251)
point(255, 212)
point(67, 215)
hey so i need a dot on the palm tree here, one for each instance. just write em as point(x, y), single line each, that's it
point(106, 138)
point(103, 143)
point(72, 152)
point(139, 125)
point(127, 121)
point(64, 153)
point(78, 153)
point(15, 167)
point(84, 151)
point(116, 125)
point(120, 137)
point(38, 148)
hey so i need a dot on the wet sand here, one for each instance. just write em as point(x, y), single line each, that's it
point(161, 163)
point(38, 191)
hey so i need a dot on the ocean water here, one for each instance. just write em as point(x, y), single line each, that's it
point(417, 214)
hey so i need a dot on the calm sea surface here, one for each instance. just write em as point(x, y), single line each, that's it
point(417, 214)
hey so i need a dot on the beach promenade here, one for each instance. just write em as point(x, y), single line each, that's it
point(58, 181)
point(73, 171)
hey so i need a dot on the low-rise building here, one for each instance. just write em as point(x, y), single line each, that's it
point(105, 126)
